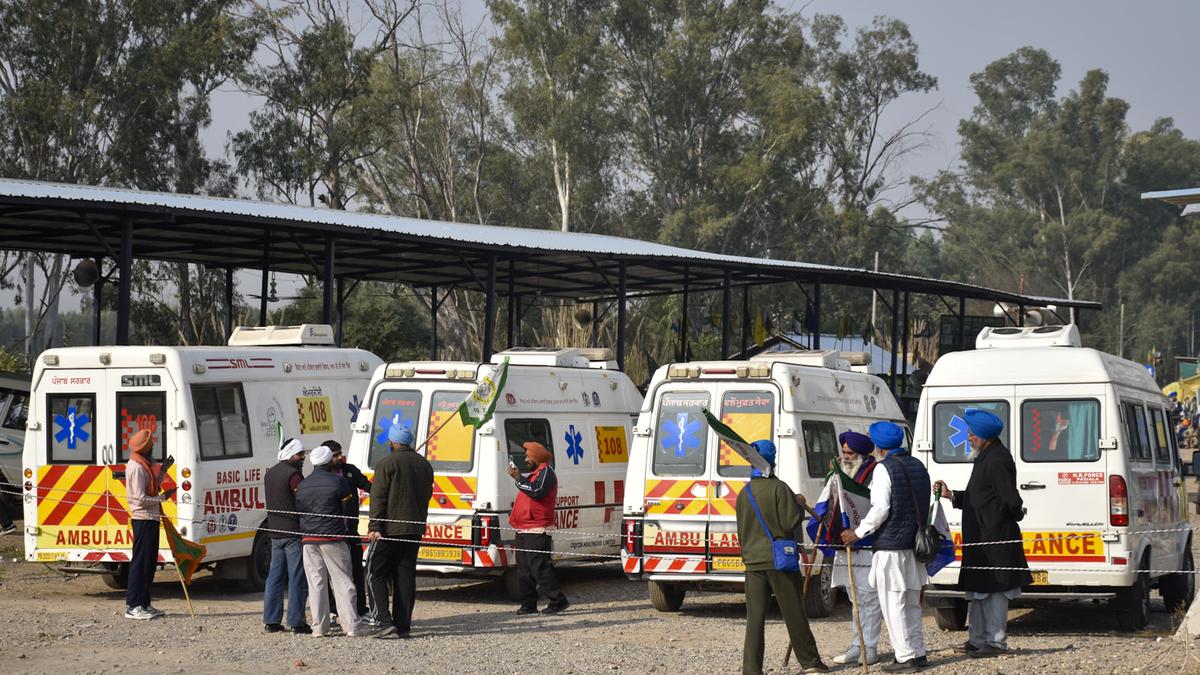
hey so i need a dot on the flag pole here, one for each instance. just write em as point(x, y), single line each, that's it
point(435, 431)
point(808, 572)
point(862, 641)
point(183, 584)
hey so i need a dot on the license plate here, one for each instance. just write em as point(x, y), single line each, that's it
point(50, 557)
point(440, 553)
point(728, 564)
point(1040, 577)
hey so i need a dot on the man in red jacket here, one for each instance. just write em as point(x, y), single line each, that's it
point(532, 517)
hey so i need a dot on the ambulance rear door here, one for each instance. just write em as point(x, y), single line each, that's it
point(1062, 477)
point(452, 451)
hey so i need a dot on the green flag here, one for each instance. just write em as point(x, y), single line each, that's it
point(478, 407)
point(740, 446)
point(187, 554)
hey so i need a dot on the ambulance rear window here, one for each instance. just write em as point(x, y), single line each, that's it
point(1060, 431)
point(142, 411)
point(392, 407)
point(71, 428)
point(950, 429)
point(1136, 432)
point(682, 434)
point(752, 415)
point(1163, 449)
point(452, 449)
point(18, 409)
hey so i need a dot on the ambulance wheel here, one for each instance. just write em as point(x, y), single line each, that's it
point(821, 595)
point(953, 617)
point(259, 564)
point(118, 578)
point(1133, 603)
point(510, 582)
point(1177, 590)
point(666, 597)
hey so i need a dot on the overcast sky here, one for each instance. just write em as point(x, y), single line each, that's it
point(1147, 48)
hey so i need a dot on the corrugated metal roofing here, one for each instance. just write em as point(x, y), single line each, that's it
point(84, 221)
point(1179, 197)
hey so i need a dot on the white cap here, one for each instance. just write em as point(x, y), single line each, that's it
point(291, 449)
point(320, 455)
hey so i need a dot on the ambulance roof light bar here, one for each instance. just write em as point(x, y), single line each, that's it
point(992, 337)
point(570, 357)
point(825, 358)
point(280, 336)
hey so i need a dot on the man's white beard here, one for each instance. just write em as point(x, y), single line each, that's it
point(852, 465)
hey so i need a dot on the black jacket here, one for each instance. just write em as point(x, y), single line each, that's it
point(357, 481)
point(320, 498)
point(400, 495)
point(991, 507)
point(280, 497)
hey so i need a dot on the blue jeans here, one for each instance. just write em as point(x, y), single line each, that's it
point(287, 569)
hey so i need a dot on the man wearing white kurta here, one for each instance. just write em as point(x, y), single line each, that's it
point(858, 463)
point(895, 515)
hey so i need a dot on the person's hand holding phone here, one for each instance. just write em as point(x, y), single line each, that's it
point(512, 469)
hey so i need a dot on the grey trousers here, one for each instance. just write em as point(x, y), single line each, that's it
point(987, 622)
point(326, 565)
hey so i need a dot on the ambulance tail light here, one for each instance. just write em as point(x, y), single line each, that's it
point(486, 530)
point(633, 536)
point(1118, 502)
point(719, 371)
point(1120, 561)
point(431, 371)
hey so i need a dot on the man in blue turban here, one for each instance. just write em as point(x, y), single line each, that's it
point(991, 508)
point(900, 498)
point(778, 508)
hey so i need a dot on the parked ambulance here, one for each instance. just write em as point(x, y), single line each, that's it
point(14, 407)
point(679, 530)
point(573, 401)
point(214, 409)
point(1095, 457)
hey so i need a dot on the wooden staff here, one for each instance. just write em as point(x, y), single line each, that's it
point(185, 592)
point(862, 641)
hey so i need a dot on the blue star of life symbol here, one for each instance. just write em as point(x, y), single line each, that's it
point(72, 428)
point(574, 444)
point(355, 405)
point(387, 423)
point(959, 428)
point(681, 435)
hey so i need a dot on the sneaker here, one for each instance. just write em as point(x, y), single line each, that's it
point(139, 613)
point(852, 655)
point(555, 609)
point(987, 651)
point(921, 661)
point(302, 629)
point(373, 631)
point(909, 666)
point(817, 667)
point(154, 610)
point(7, 529)
point(965, 648)
point(273, 628)
point(527, 610)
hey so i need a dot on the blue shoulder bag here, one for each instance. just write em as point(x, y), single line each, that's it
point(786, 551)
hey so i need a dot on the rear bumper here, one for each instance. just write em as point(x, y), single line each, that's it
point(1033, 595)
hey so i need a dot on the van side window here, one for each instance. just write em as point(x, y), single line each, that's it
point(71, 428)
point(1136, 432)
point(222, 425)
point(519, 432)
point(18, 411)
point(752, 415)
point(452, 449)
point(142, 410)
point(682, 434)
point(820, 446)
point(392, 408)
point(1060, 431)
point(950, 429)
point(1161, 435)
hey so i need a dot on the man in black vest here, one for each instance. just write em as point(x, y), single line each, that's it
point(991, 507)
point(900, 496)
point(287, 557)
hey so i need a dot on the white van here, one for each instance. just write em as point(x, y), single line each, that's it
point(1095, 457)
point(14, 407)
point(679, 530)
point(215, 409)
point(573, 401)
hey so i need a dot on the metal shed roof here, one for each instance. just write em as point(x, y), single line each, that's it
point(86, 221)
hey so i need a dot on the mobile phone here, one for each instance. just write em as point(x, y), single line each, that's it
point(511, 464)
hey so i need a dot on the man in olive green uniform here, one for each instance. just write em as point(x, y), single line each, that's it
point(780, 509)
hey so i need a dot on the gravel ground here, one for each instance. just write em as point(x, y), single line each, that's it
point(58, 624)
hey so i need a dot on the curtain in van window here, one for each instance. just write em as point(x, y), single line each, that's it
point(1060, 431)
point(682, 434)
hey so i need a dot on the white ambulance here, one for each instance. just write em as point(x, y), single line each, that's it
point(679, 530)
point(215, 409)
point(14, 407)
point(1096, 460)
point(573, 401)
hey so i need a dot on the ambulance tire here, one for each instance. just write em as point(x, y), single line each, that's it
point(953, 617)
point(1133, 603)
point(118, 578)
point(258, 566)
point(510, 583)
point(666, 597)
point(821, 597)
point(1177, 590)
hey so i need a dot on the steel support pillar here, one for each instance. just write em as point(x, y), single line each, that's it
point(745, 319)
point(264, 285)
point(904, 347)
point(895, 342)
point(489, 312)
point(683, 321)
point(228, 303)
point(726, 309)
point(327, 295)
point(816, 322)
point(962, 323)
point(621, 316)
point(124, 283)
point(1021, 316)
point(341, 311)
point(433, 323)
point(97, 301)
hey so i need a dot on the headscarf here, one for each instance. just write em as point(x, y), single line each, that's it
point(140, 444)
point(401, 434)
point(320, 456)
point(983, 424)
point(859, 443)
point(537, 452)
point(887, 435)
point(766, 449)
point(290, 449)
